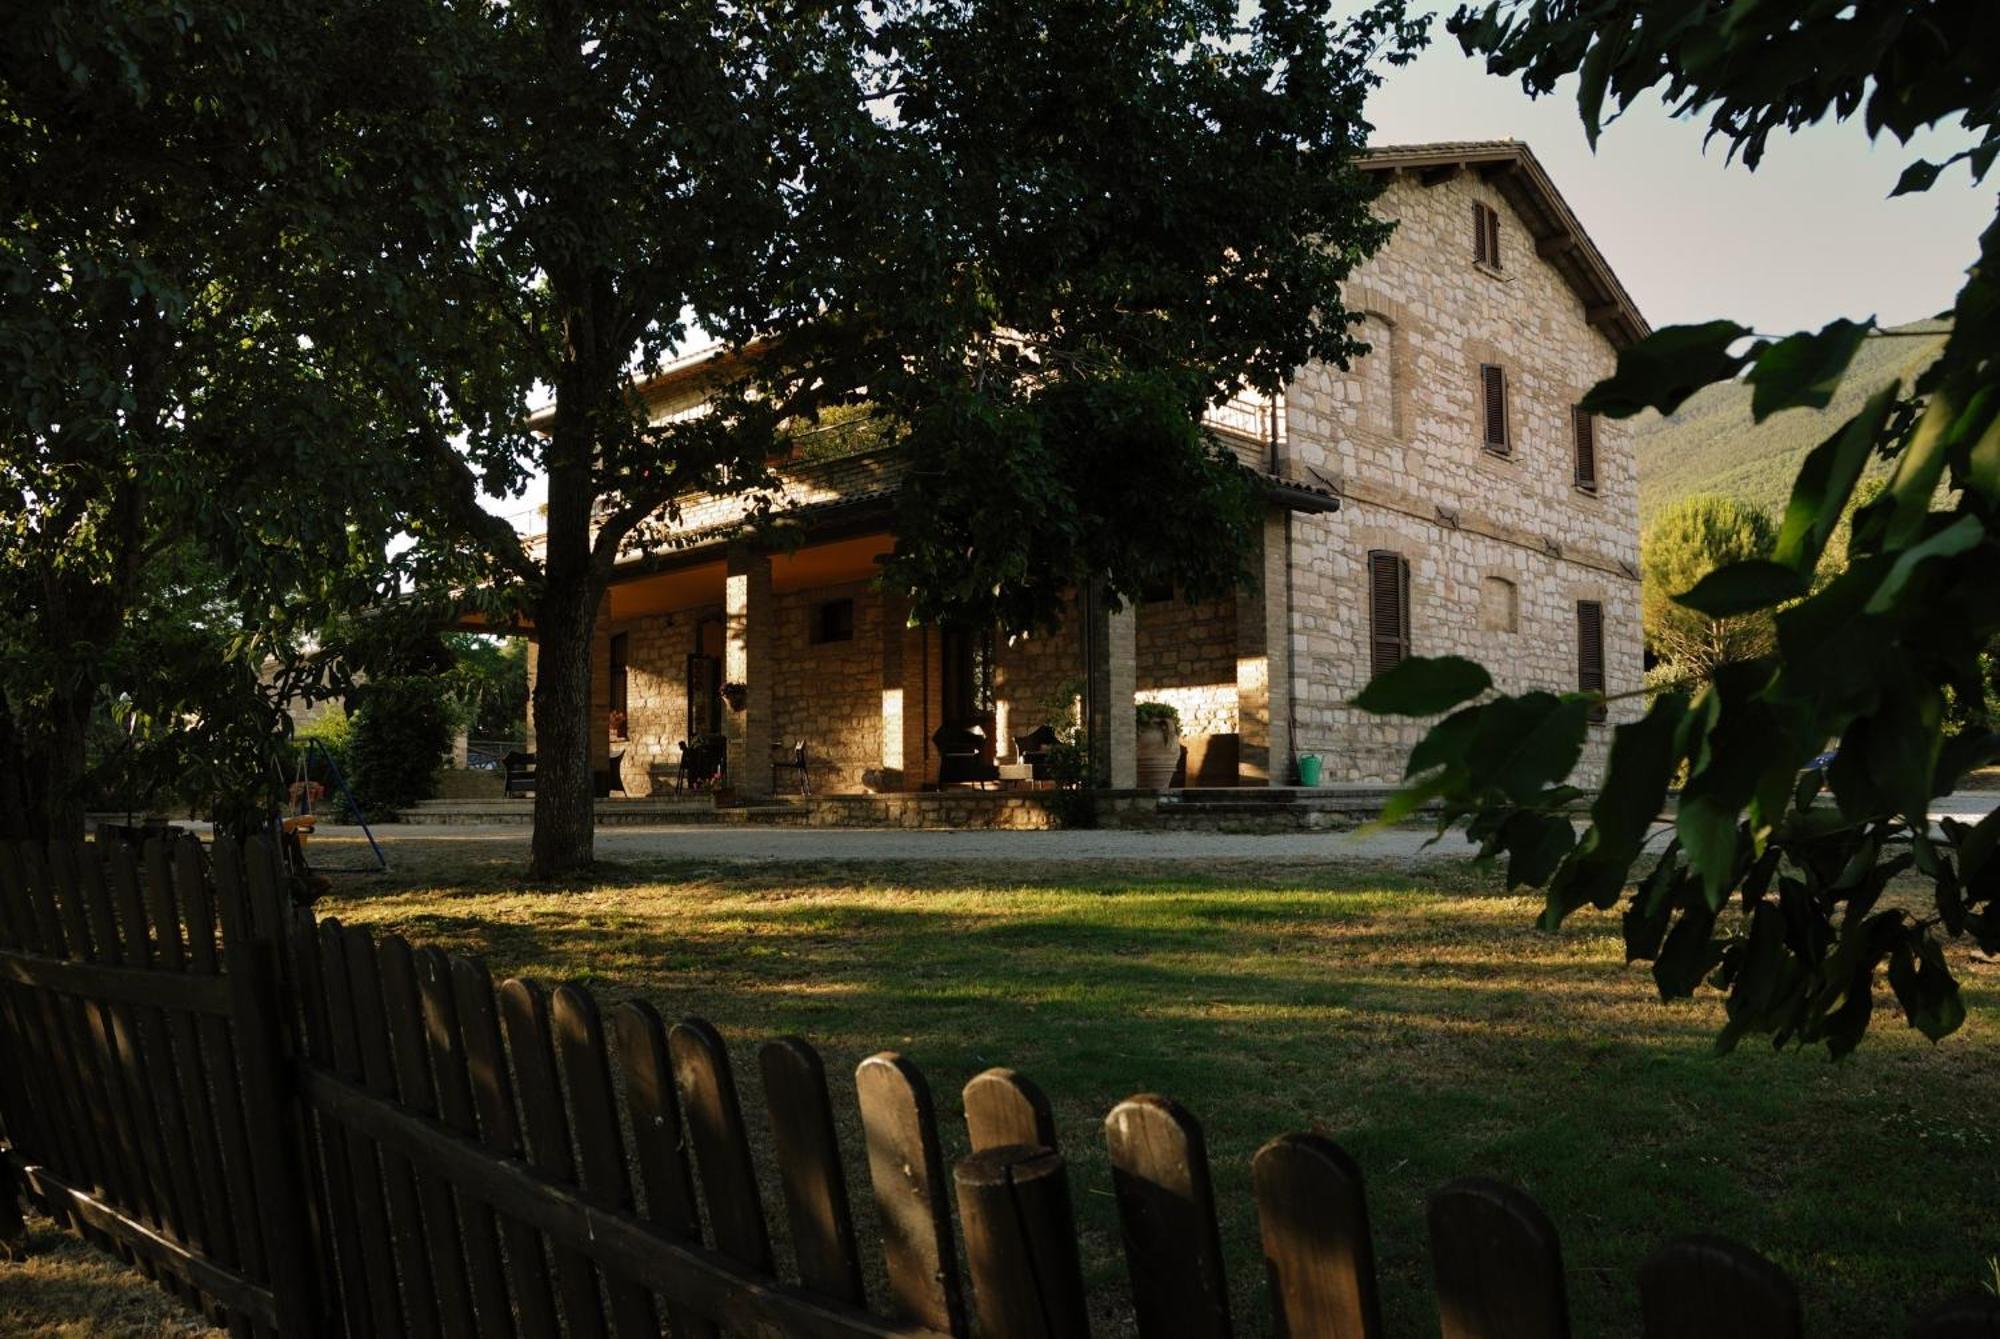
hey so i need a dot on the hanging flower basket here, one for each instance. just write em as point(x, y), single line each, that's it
point(735, 694)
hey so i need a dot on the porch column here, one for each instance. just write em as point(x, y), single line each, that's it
point(895, 700)
point(922, 699)
point(1263, 677)
point(747, 617)
point(1111, 645)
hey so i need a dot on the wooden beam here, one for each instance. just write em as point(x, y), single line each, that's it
point(232, 1290)
point(1438, 174)
point(1560, 244)
point(1602, 313)
point(118, 985)
point(708, 1283)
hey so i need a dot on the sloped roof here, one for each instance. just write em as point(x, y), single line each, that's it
point(1514, 171)
point(1509, 164)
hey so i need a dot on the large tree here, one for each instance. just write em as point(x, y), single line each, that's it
point(1772, 886)
point(200, 310)
point(1036, 240)
point(1680, 547)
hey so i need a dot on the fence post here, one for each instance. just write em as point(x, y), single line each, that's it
point(1975, 1316)
point(269, 1094)
point(1498, 1264)
point(1711, 1288)
point(1020, 1243)
point(1166, 1205)
point(1318, 1252)
point(1002, 1108)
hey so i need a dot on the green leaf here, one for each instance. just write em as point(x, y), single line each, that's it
point(1709, 833)
point(1964, 534)
point(1918, 176)
point(1743, 587)
point(1687, 955)
point(1826, 481)
point(1526, 743)
point(1446, 742)
point(1536, 844)
point(1925, 987)
point(1804, 369)
point(1423, 686)
point(1665, 368)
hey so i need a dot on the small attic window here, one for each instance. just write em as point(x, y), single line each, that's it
point(1485, 234)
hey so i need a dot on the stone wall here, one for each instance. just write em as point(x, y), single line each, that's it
point(1187, 657)
point(829, 694)
point(1032, 672)
point(657, 649)
point(1415, 479)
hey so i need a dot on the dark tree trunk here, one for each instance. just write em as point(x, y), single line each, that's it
point(67, 760)
point(15, 790)
point(564, 813)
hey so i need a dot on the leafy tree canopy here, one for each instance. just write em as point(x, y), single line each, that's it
point(1771, 885)
point(1036, 242)
point(200, 319)
point(1681, 546)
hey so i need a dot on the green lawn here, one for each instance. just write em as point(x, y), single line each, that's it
point(1421, 1022)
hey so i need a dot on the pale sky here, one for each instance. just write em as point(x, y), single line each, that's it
point(1810, 235)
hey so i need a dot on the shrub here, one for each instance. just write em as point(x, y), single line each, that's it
point(397, 743)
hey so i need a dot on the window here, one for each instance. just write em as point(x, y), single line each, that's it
point(1586, 449)
point(1493, 408)
point(1499, 605)
point(833, 621)
point(620, 647)
point(1485, 234)
point(1388, 610)
point(1377, 374)
point(1590, 651)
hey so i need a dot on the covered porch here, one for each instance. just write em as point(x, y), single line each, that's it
point(731, 656)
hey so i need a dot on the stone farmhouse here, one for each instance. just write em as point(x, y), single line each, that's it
point(1444, 495)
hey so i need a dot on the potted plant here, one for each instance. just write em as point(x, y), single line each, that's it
point(1159, 744)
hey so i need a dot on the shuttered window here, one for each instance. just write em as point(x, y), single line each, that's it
point(1388, 610)
point(1590, 651)
point(1493, 397)
point(1586, 449)
point(1485, 234)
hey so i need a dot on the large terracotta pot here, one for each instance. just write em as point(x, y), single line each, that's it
point(1159, 756)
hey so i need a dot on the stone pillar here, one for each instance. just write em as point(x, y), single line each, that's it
point(1263, 677)
point(1111, 642)
point(895, 700)
point(922, 702)
point(747, 626)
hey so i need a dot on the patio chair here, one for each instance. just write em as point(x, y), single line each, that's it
point(793, 761)
point(962, 756)
point(520, 774)
point(703, 759)
point(1034, 747)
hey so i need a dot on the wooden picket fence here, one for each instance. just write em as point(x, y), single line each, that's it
point(304, 1130)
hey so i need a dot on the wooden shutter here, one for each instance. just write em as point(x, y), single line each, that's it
point(1586, 449)
point(1493, 237)
point(1590, 650)
point(1493, 386)
point(1481, 238)
point(1388, 610)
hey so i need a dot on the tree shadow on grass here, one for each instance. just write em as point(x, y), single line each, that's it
point(1433, 1036)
